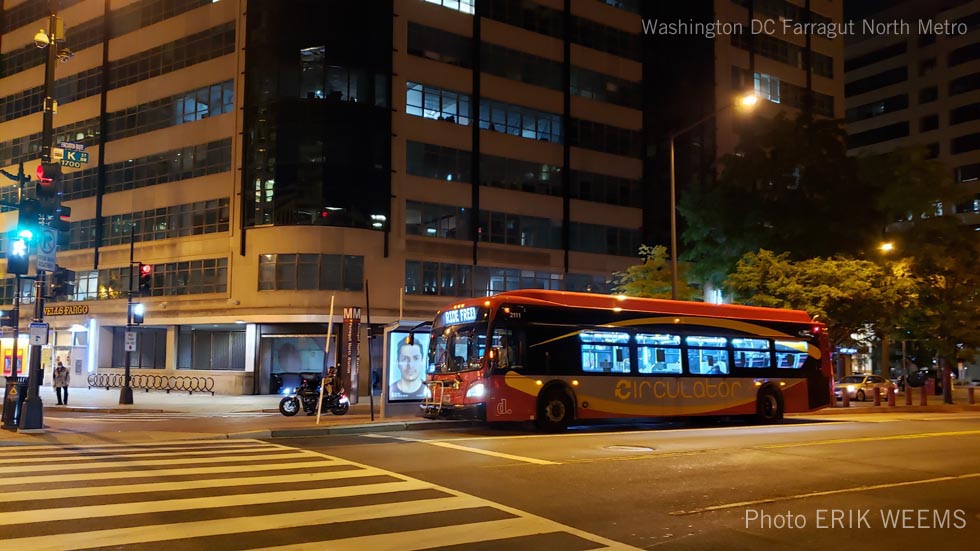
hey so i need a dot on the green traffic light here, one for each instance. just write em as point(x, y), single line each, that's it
point(26, 234)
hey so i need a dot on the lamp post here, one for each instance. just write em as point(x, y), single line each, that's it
point(746, 101)
point(32, 416)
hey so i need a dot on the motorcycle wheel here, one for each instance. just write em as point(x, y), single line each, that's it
point(289, 406)
point(340, 409)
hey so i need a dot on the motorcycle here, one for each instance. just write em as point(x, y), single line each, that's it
point(335, 400)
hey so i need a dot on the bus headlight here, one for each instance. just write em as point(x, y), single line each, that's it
point(476, 391)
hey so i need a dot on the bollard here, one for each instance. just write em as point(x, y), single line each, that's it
point(908, 395)
point(969, 392)
point(891, 397)
point(845, 398)
point(877, 393)
point(923, 396)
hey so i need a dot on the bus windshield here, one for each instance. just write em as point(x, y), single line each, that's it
point(465, 343)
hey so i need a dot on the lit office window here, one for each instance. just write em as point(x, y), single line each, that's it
point(767, 87)
point(465, 6)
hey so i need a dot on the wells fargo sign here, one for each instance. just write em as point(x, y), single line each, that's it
point(71, 310)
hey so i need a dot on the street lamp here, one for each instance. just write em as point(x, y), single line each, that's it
point(886, 247)
point(32, 416)
point(747, 101)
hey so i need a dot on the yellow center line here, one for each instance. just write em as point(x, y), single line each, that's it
point(869, 439)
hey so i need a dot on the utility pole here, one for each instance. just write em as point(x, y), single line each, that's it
point(32, 416)
point(126, 392)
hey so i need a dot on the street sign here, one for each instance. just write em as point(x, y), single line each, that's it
point(39, 334)
point(57, 154)
point(47, 246)
point(130, 341)
point(72, 146)
point(74, 159)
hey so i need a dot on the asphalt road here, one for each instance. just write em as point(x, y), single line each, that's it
point(881, 483)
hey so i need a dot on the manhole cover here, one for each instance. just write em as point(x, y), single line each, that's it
point(629, 448)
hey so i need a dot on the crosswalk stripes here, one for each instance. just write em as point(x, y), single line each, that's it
point(246, 494)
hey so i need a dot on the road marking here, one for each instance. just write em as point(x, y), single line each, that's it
point(822, 493)
point(869, 439)
point(276, 518)
point(444, 444)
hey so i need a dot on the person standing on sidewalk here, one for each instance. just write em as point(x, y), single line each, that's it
point(60, 382)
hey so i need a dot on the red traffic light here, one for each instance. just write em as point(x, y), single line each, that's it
point(146, 269)
point(47, 172)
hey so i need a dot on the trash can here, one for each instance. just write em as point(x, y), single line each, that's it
point(13, 401)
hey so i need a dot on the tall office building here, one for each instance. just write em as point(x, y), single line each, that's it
point(787, 52)
point(265, 156)
point(913, 87)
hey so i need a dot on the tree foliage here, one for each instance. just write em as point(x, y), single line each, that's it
point(652, 278)
point(848, 295)
point(790, 187)
point(946, 264)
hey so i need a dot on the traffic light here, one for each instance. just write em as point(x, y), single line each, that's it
point(62, 283)
point(61, 222)
point(138, 310)
point(19, 255)
point(48, 190)
point(27, 215)
point(146, 280)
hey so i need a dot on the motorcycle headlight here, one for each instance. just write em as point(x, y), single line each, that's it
point(286, 390)
point(344, 400)
point(476, 391)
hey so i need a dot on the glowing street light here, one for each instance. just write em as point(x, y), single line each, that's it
point(745, 102)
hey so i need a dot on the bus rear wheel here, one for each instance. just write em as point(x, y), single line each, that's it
point(555, 411)
point(769, 406)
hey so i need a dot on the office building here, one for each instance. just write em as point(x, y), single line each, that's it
point(263, 157)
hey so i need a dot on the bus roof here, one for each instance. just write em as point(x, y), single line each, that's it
point(652, 305)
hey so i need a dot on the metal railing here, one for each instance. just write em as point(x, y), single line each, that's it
point(181, 383)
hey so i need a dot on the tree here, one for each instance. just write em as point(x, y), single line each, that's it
point(652, 278)
point(848, 295)
point(790, 187)
point(946, 264)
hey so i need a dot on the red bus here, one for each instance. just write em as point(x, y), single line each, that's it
point(556, 357)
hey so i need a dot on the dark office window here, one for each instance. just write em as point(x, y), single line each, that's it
point(928, 94)
point(532, 177)
point(879, 107)
point(175, 55)
point(932, 150)
point(878, 135)
point(968, 173)
point(928, 122)
point(311, 272)
point(963, 84)
point(962, 144)
point(927, 66)
point(526, 14)
point(604, 137)
point(964, 54)
point(515, 65)
point(594, 238)
point(441, 163)
point(874, 82)
point(875, 56)
point(964, 113)
point(431, 220)
point(602, 87)
point(604, 38)
point(439, 45)
point(151, 348)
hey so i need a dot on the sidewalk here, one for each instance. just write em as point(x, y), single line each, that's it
point(230, 413)
point(232, 419)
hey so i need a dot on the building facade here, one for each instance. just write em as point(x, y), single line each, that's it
point(784, 51)
point(267, 159)
point(916, 87)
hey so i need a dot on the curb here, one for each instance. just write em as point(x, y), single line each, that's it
point(361, 428)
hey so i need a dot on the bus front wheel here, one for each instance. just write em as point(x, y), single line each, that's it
point(555, 411)
point(769, 406)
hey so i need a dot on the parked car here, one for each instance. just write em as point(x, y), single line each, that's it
point(920, 377)
point(861, 387)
